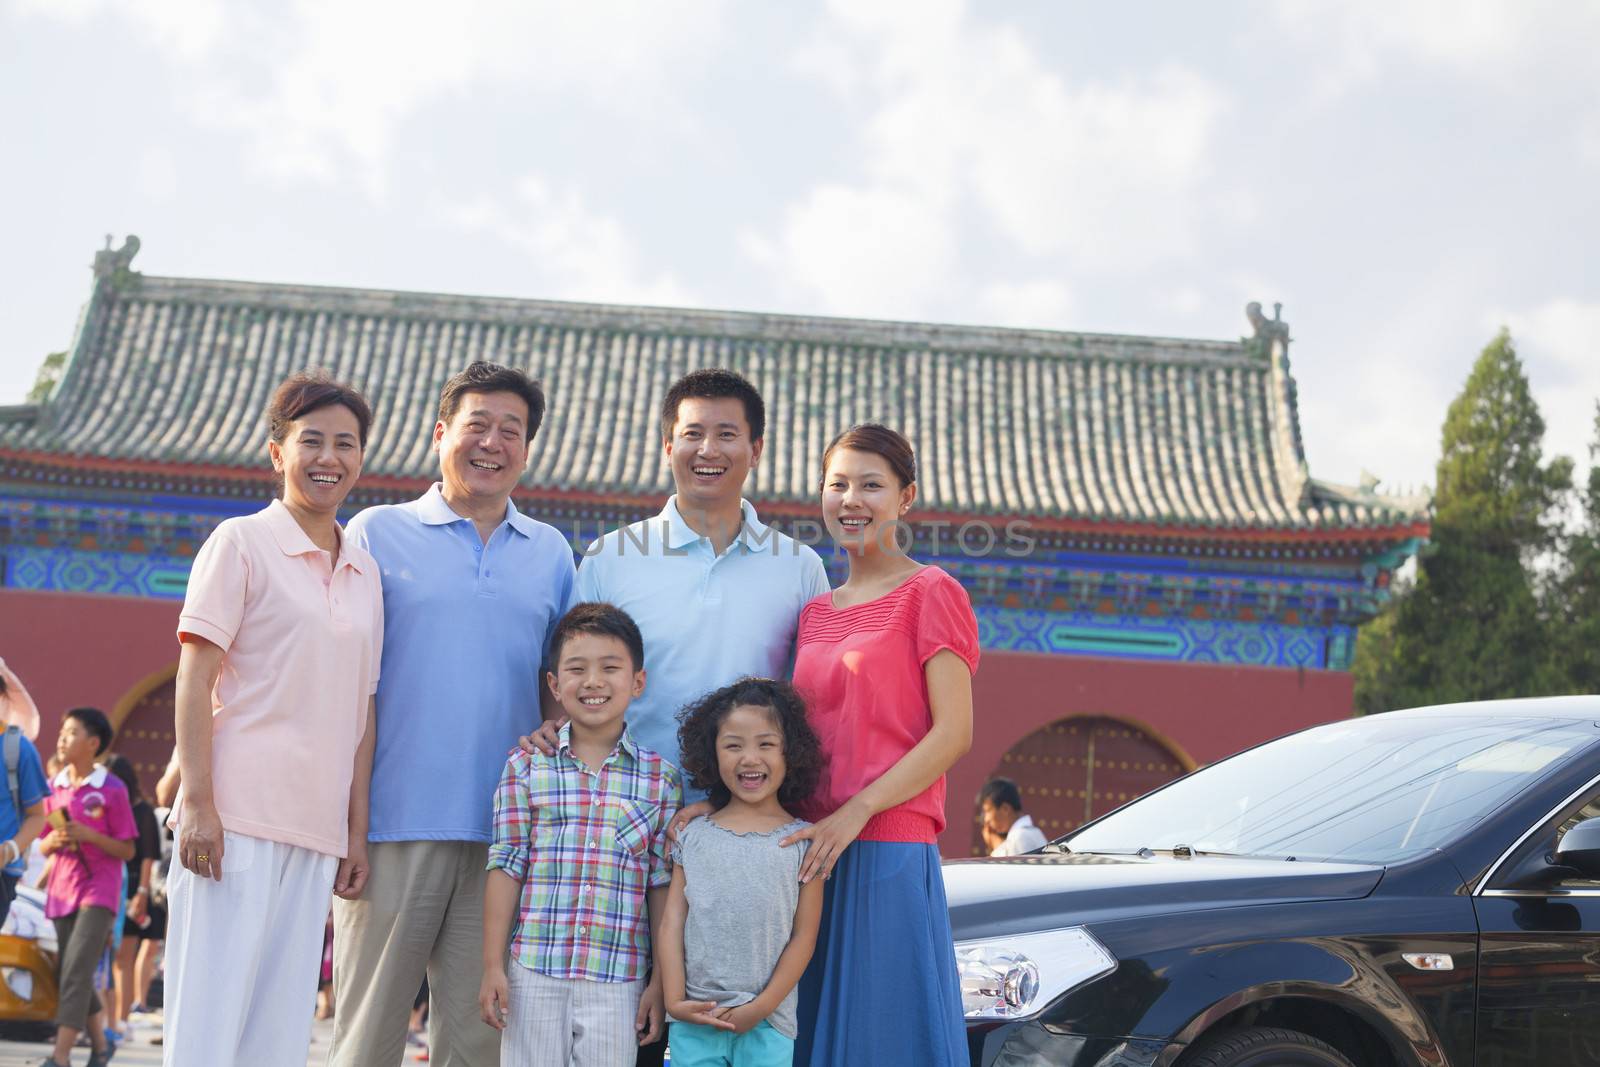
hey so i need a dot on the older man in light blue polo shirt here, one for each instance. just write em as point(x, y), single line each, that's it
point(471, 589)
point(717, 594)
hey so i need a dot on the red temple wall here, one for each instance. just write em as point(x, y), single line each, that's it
point(1202, 711)
point(72, 649)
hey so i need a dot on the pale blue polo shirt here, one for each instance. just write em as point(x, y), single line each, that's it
point(465, 626)
point(707, 620)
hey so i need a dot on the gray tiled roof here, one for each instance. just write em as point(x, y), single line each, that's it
point(1007, 422)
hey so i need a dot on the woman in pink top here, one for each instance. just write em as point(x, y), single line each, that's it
point(885, 663)
point(281, 632)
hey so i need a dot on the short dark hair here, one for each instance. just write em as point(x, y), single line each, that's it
point(714, 383)
point(998, 791)
point(93, 720)
point(300, 394)
point(700, 721)
point(880, 441)
point(122, 767)
point(482, 376)
point(604, 620)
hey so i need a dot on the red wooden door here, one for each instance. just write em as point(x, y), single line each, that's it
point(1079, 768)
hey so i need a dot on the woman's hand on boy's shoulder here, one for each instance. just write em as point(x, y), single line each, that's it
point(700, 1012)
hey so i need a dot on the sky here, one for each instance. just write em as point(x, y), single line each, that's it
point(1404, 178)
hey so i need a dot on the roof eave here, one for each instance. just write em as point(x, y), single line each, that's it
point(1186, 533)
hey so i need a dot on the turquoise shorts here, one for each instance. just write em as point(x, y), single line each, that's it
point(693, 1045)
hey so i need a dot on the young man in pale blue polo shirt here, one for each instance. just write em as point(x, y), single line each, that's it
point(717, 594)
point(471, 589)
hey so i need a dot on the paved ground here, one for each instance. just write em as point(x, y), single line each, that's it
point(139, 1052)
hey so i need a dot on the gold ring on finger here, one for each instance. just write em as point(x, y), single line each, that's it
point(202, 858)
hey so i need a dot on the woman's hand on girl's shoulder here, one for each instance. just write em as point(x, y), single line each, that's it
point(829, 838)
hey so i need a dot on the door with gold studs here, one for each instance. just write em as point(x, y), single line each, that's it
point(1079, 768)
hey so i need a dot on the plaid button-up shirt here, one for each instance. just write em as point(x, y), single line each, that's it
point(586, 846)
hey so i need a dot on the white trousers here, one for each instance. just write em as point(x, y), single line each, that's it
point(553, 1022)
point(244, 954)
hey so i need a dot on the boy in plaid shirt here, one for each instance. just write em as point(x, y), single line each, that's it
point(578, 871)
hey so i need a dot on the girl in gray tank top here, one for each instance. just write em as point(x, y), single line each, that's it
point(739, 928)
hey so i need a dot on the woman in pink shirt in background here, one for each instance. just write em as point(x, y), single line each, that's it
point(281, 631)
point(885, 663)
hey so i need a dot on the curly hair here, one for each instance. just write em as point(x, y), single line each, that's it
point(700, 721)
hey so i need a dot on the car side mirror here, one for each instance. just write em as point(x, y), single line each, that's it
point(1579, 848)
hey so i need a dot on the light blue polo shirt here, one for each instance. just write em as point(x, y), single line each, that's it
point(464, 632)
point(707, 620)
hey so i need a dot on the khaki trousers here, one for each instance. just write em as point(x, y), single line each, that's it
point(420, 914)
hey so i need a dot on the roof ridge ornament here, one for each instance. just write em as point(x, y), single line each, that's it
point(116, 264)
point(1265, 329)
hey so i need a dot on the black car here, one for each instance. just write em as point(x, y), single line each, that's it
point(1415, 888)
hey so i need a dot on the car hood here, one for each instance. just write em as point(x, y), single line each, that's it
point(1034, 892)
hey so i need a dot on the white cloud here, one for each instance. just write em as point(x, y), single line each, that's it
point(1353, 42)
point(577, 253)
point(1042, 303)
point(968, 128)
point(187, 28)
point(884, 249)
point(323, 86)
point(1559, 342)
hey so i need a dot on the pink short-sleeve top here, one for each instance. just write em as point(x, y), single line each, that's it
point(302, 637)
point(83, 876)
point(860, 670)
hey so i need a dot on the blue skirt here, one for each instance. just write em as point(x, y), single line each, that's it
point(882, 985)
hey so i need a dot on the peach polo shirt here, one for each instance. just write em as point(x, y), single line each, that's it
point(301, 637)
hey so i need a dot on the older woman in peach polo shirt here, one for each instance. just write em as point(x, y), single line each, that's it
point(282, 629)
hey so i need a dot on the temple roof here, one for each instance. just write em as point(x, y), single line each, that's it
point(1142, 431)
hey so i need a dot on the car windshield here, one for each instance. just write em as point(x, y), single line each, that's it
point(1372, 790)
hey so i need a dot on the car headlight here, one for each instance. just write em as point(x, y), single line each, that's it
point(1006, 978)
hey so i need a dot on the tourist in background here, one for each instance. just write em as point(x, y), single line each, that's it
point(145, 921)
point(471, 590)
point(885, 664)
point(23, 800)
point(90, 841)
point(1007, 829)
point(16, 706)
point(281, 631)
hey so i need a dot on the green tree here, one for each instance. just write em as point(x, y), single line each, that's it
point(49, 373)
point(1473, 627)
point(1576, 616)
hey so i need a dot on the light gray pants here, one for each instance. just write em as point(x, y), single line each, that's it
point(553, 1022)
point(420, 914)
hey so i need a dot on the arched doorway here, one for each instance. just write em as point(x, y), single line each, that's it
point(143, 719)
point(1079, 768)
